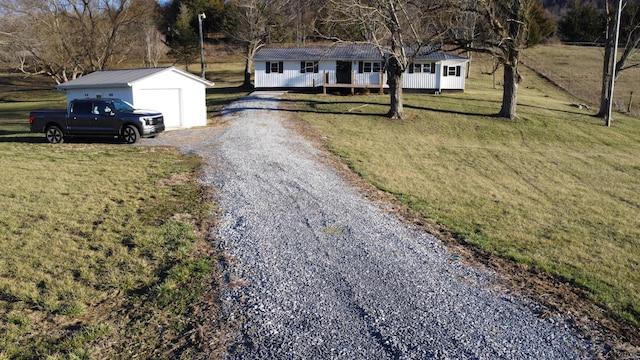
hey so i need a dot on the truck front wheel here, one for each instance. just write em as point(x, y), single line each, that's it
point(130, 134)
point(54, 135)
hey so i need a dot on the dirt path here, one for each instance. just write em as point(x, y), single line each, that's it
point(327, 273)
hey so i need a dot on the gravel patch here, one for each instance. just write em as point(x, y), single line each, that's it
point(329, 274)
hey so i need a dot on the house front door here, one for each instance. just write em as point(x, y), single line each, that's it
point(343, 72)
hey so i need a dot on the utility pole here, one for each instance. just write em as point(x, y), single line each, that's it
point(615, 60)
point(200, 18)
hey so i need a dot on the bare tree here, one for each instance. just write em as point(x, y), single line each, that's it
point(149, 45)
point(400, 29)
point(303, 17)
point(465, 26)
point(630, 41)
point(36, 40)
point(254, 23)
point(502, 32)
point(153, 45)
point(65, 39)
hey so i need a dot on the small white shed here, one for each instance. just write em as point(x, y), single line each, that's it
point(179, 95)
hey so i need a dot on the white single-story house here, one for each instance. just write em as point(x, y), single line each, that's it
point(179, 95)
point(359, 65)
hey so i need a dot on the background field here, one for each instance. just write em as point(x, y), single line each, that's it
point(578, 70)
point(556, 190)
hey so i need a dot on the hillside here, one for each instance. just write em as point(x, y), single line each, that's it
point(583, 78)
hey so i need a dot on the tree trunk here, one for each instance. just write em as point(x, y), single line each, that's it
point(605, 90)
point(396, 110)
point(510, 91)
point(251, 49)
point(394, 75)
point(247, 73)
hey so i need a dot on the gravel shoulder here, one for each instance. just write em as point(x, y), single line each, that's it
point(328, 273)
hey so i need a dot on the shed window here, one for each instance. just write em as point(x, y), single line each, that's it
point(275, 67)
point(452, 71)
point(369, 67)
point(308, 67)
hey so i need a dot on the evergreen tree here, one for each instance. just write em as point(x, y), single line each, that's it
point(583, 23)
point(182, 40)
point(541, 27)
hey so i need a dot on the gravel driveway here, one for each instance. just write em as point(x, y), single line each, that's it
point(330, 274)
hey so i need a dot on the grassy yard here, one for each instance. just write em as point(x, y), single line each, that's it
point(103, 245)
point(555, 190)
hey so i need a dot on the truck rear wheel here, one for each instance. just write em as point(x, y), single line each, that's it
point(54, 135)
point(130, 134)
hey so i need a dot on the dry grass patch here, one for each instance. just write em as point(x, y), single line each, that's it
point(99, 257)
point(104, 249)
point(578, 70)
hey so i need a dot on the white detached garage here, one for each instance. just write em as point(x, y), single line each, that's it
point(179, 95)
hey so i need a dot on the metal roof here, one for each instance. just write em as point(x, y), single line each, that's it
point(121, 78)
point(342, 52)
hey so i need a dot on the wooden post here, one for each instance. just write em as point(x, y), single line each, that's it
point(324, 83)
point(494, 72)
point(381, 83)
point(353, 76)
point(630, 101)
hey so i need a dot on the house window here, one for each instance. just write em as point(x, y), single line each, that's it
point(308, 67)
point(452, 71)
point(369, 67)
point(422, 68)
point(276, 67)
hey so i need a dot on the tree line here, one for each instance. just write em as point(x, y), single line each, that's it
point(66, 39)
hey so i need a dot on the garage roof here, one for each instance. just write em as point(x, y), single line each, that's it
point(122, 78)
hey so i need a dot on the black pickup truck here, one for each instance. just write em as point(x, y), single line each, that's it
point(97, 117)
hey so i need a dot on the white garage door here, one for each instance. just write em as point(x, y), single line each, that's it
point(167, 101)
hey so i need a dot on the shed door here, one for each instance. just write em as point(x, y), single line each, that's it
point(167, 101)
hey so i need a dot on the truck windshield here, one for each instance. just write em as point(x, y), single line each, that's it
point(122, 106)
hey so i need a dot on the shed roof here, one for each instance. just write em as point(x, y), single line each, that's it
point(122, 78)
point(343, 52)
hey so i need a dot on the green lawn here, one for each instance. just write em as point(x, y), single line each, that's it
point(555, 190)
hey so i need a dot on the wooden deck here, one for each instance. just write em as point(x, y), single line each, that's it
point(326, 84)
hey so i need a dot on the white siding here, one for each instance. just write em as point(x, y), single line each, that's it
point(166, 101)
point(455, 79)
point(290, 77)
point(181, 100)
point(372, 79)
point(423, 80)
